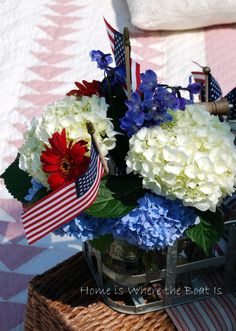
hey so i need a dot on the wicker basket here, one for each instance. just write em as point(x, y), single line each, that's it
point(56, 302)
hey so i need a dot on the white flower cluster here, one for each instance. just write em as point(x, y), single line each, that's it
point(70, 113)
point(192, 158)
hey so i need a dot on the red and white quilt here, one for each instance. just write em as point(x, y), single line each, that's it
point(44, 48)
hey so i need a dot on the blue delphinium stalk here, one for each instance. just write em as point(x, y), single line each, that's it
point(154, 102)
point(103, 60)
point(134, 117)
point(118, 74)
point(193, 88)
point(149, 81)
point(115, 75)
point(150, 108)
point(158, 104)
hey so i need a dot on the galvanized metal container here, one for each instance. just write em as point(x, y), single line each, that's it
point(129, 286)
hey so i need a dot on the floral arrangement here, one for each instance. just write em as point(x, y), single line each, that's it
point(171, 163)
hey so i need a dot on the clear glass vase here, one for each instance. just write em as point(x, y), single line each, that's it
point(124, 258)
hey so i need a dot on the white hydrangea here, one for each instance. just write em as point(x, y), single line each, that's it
point(192, 158)
point(70, 113)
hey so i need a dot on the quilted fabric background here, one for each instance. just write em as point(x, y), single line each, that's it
point(44, 49)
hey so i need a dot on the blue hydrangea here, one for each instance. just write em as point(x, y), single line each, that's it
point(156, 223)
point(36, 186)
point(85, 227)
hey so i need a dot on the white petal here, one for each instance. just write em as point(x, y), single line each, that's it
point(173, 169)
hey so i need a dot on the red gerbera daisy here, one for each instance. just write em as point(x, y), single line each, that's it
point(64, 162)
point(86, 88)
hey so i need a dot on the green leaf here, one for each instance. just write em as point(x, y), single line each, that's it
point(102, 243)
point(117, 196)
point(40, 194)
point(16, 180)
point(208, 231)
point(116, 111)
point(117, 108)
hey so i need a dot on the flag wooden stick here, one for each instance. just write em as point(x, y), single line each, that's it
point(91, 131)
point(221, 107)
point(127, 60)
point(207, 71)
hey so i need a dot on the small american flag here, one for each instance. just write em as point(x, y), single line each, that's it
point(118, 49)
point(231, 97)
point(64, 204)
point(199, 77)
point(215, 92)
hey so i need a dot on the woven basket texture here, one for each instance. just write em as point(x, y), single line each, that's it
point(55, 302)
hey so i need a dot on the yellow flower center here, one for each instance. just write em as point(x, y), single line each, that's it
point(65, 166)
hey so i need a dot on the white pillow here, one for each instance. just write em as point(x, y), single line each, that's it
point(180, 14)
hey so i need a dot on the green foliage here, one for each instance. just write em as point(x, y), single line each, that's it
point(208, 231)
point(16, 180)
point(117, 196)
point(43, 192)
point(116, 111)
point(18, 183)
point(102, 243)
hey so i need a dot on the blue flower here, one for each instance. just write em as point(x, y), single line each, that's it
point(134, 117)
point(84, 228)
point(182, 102)
point(149, 81)
point(163, 100)
point(114, 76)
point(103, 60)
point(36, 186)
point(155, 223)
point(119, 74)
point(151, 108)
point(194, 88)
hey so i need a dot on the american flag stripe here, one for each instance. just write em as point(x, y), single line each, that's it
point(45, 207)
point(49, 198)
point(135, 74)
point(214, 92)
point(46, 227)
point(66, 203)
point(60, 196)
point(110, 31)
point(53, 210)
point(135, 67)
point(199, 76)
point(57, 210)
point(48, 224)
